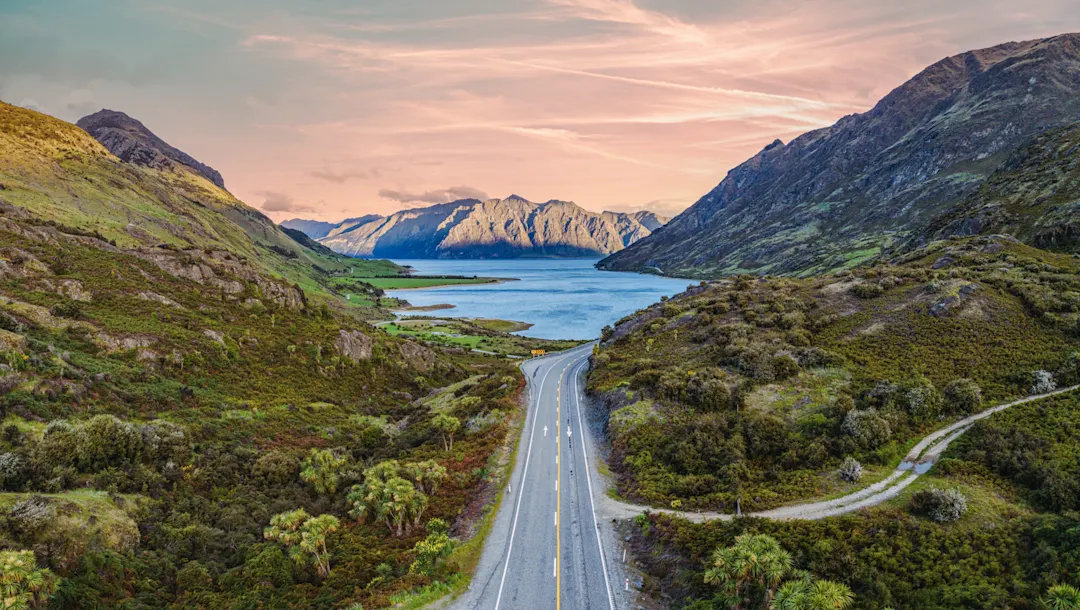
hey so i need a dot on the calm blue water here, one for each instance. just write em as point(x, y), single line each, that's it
point(563, 299)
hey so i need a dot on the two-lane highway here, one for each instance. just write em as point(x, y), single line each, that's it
point(545, 549)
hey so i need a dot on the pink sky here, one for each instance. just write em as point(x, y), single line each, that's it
point(339, 111)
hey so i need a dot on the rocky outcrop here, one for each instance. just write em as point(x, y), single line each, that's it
point(834, 197)
point(498, 228)
point(354, 345)
point(132, 142)
point(418, 356)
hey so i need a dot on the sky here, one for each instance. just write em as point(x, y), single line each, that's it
point(327, 109)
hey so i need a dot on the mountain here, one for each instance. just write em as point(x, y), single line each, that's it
point(131, 141)
point(835, 197)
point(317, 229)
point(1033, 197)
point(498, 228)
point(166, 211)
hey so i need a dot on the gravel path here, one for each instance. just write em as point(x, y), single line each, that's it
point(918, 461)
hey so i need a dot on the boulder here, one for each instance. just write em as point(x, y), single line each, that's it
point(354, 345)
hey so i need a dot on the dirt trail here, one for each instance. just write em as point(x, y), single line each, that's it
point(918, 461)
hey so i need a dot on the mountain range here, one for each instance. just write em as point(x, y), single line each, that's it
point(497, 228)
point(950, 151)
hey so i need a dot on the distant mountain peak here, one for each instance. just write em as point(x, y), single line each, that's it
point(133, 142)
point(497, 228)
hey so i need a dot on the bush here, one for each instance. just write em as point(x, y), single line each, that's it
point(1042, 382)
point(963, 396)
point(850, 470)
point(941, 505)
point(868, 428)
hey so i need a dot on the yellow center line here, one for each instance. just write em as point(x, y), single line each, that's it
point(558, 493)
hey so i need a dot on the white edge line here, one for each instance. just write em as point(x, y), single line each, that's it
point(588, 480)
point(521, 488)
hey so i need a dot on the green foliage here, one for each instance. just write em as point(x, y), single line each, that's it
point(387, 496)
point(447, 425)
point(941, 505)
point(322, 470)
point(770, 383)
point(22, 584)
point(432, 549)
point(304, 536)
point(1063, 597)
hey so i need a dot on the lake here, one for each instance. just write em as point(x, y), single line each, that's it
point(561, 298)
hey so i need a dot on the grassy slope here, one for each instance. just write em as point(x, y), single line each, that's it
point(779, 438)
point(61, 174)
point(276, 387)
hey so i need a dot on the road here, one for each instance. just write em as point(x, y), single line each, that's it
point(551, 545)
point(546, 548)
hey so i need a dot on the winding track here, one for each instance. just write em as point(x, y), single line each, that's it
point(547, 547)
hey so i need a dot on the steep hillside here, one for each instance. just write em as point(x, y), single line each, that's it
point(60, 174)
point(834, 197)
point(758, 388)
point(498, 228)
point(1035, 196)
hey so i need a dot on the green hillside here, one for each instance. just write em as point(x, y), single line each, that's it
point(61, 175)
point(758, 388)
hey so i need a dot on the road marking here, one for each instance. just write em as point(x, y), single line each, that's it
point(558, 492)
point(528, 454)
point(556, 518)
point(554, 567)
point(545, 431)
point(588, 479)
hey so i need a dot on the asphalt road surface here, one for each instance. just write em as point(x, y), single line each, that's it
point(546, 549)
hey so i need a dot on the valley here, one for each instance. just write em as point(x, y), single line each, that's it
point(846, 378)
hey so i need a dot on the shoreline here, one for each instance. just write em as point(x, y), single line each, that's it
point(494, 281)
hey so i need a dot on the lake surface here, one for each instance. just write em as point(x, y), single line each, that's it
point(562, 298)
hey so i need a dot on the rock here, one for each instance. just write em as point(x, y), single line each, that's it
point(215, 336)
point(418, 356)
point(354, 345)
point(157, 298)
point(122, 344)
point(941, 307)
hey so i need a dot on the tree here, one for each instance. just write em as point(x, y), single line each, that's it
point(388, 497)
point(22, 584)
point(321, 469)
point(868, 428)
point(1063, 597)
point(427, 475)
point(304, 536)
point(447, 425)
point(755, 560)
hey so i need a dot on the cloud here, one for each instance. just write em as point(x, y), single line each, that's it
point(274, 201)
point(663, 207)
point(625, 12)
point(347, 175)
point(446, 195)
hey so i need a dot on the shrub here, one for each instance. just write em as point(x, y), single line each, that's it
point(12, 472)
point(941, 505)
point(1042, 382)
point(868, 428)
point(963, 396)
point(922, 401)
point(867, 291)
point(850, 470)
